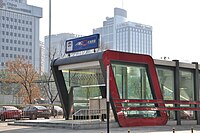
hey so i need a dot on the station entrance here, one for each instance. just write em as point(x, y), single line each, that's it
point(135, 96)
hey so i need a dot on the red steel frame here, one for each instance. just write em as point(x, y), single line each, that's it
point(109, 56)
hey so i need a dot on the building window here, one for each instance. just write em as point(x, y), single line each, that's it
point(11, 55)
point(6, 47)
point(30, 57)
point(3, 17)
point(6, 55)
point(3, 40)
point(15, 48)
point(3, 47)
point(2, 54)
point(2, 63)
point(19, 49)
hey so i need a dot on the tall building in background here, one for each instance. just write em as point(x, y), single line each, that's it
point(57, 47)
point(119, 34)
point(19, 32)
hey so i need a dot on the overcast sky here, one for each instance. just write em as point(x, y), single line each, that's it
point(176, 23)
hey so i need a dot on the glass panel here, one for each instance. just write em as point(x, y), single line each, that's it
point(166, 80)
point(186, 85)
point(187, 92)
point(83, 77)
point(85, 84)
point(82, 95)
point(133, 83)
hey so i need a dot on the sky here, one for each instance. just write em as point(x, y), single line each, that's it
point(176, 23)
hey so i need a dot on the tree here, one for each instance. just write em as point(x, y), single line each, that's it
point(22, 72)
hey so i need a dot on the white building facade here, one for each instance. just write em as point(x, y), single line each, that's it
point(19, 32)
point(119, 34)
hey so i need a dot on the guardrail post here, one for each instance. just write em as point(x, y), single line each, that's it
point(192, 130)
point(129, 131)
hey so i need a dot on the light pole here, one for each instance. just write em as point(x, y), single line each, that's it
point(49, 33)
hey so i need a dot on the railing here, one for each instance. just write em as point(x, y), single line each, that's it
point(193, 105)
point(88, 114)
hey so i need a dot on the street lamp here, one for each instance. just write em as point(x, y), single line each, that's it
point(49, 33)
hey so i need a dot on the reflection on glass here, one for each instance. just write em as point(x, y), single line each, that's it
point(186, 85)
point(166, 80)
point(186, 92)
point(133, 83)
point(85, 84)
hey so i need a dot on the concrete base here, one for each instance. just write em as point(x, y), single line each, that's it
point(71, 124)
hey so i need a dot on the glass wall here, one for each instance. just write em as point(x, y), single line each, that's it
point(166, 80)
point(85, 84)
point(186, 91)
point(133, 83)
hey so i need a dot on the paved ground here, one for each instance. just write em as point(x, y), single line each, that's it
point(185, 128)
point(160, 129)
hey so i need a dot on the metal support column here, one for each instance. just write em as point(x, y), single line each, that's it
point(177, 91)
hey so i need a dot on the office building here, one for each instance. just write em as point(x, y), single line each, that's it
point(119, 34)
point(19, 32)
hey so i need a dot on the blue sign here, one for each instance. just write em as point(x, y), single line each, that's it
point(82, 43)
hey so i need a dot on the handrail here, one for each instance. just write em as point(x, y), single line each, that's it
point(158, 101)
point(119, 106)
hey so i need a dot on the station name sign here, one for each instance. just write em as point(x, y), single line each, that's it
point(82, 43)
